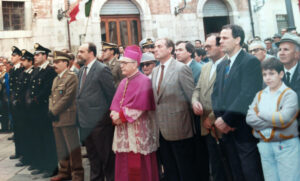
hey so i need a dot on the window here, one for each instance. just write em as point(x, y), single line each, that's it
point(122, 30)
point(282, 21)
point(13, 15)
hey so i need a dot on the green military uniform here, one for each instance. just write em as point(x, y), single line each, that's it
point(116, 71)
point(63, 109)
point(113, 64)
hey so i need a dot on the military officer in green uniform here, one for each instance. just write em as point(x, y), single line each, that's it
point(62, 111)
point(109, 50)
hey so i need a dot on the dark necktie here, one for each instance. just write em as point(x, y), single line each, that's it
point(160, 78)
point(288, 78)
point(83, 77)
point(227, 69)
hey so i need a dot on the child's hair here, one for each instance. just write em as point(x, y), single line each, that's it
point(272, 64)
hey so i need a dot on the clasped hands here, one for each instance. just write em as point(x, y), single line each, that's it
point(219, 123)
point(115, 116)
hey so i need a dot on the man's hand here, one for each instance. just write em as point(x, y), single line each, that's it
point(197, 108)
point(52, 117)
point(207, 123)
point(222, 126)
point(115, 118)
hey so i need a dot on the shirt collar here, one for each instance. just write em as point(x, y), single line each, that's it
point(29, 70)
point(62, 73)
point(167, 63)
point(280, 90)
point(91, 64)
point(44, 65)
point(232, 59)
point(189, 63)
point(218, 61)
point(292, 70)
point(18, 65)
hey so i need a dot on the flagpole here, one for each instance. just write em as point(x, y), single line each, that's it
point(88, 20)
point(69, 38)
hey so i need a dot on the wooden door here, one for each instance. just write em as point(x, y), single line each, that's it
point(122, 30)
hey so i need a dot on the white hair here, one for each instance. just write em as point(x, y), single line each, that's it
point(260, 43)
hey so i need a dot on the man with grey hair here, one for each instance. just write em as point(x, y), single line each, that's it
point(259, 49)
point(289, 55)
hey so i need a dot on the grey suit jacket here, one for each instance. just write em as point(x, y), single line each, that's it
point(173, 111)
point(202, 93)
point(94, 98)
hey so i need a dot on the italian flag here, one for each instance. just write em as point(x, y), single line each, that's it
point(81, 10)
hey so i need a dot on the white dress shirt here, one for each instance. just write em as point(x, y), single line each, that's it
point(232, 59)
point(89, 66)
point(166, 64)
point(214, 67)
point(291, 71)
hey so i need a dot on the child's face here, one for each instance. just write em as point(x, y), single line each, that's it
point(272, 78)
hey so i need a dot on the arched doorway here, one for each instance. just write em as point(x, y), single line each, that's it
point(120, 22)
point(215, 15)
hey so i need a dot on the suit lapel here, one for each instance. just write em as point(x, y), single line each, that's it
point(295, 76)
point(168, 74)
point(154, 79)
point(88, 77)
point(233, 69)
point(209, 82)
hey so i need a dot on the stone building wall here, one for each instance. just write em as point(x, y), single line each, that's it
point(157, 20)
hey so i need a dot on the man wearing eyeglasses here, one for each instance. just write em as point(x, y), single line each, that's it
point(258, 49)
point(148, 63)
point(109, 50)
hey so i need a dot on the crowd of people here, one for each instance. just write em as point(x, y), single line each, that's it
point(220, 110)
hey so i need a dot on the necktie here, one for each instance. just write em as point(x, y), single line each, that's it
point(160, 78)
point(227, 69)
point(83, 77)
point(288, 78)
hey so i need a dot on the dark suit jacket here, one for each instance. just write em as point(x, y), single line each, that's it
point(196, 69)
point(94, 99)
point(295, 82)
point(295, 85)
point(231, 100)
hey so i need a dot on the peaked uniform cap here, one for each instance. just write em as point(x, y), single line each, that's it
point(16, 51)
point(146, 42)
point(59, 55)
point(40, 49)
point(106, 45)
point(27, 55)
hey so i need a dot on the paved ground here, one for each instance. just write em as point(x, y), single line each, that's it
point(8, 172)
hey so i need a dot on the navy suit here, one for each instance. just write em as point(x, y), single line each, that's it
point(230, 100)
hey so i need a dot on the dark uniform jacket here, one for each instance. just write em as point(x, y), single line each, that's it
point(40, 85)
point(14, 74)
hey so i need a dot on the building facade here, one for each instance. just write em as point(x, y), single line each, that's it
point(24, 22)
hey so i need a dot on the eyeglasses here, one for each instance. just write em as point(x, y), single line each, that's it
point(125, 63)
point(146, 64)
point(255, 50)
